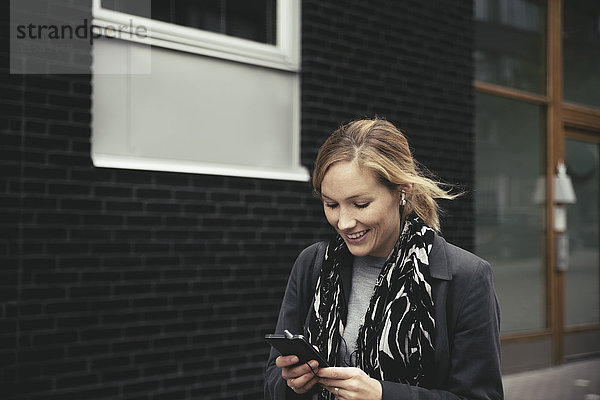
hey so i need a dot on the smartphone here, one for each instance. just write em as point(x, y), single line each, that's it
point(289, 344)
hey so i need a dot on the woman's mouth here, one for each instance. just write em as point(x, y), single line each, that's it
point(357, 235)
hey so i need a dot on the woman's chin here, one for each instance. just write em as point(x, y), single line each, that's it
point(358, 250)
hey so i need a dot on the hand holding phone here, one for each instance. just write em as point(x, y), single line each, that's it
point(288, 344)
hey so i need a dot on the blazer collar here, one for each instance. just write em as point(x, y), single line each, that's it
point(438, 262)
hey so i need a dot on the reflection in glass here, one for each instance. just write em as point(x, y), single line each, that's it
point(134, 7)
point(510, 43)
point(581, 52)
point(583, 276)
point(509, 206)
point(248, 19)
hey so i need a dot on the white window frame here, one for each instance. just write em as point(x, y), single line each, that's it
point(284, 55)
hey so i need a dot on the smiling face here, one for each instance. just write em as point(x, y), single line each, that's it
point(363, 211)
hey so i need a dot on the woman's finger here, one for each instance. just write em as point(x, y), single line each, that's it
point(303, 384)
point(336, 391)
point(286, 361)
point(354, 384)
point(293, 372)
point(331, 382)
point(338, 372)
point(311, 372)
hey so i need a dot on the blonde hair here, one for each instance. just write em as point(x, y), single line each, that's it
point(378, 145)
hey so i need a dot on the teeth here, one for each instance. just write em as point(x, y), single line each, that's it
point(357, 235)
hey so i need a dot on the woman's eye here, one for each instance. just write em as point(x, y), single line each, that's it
point(331, 205)
point(362, 205)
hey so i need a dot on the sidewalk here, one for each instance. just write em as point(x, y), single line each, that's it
point(572, 381)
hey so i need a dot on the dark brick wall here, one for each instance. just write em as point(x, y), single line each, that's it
point(149, 285)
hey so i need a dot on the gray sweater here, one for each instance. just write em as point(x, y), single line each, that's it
point(365, 271)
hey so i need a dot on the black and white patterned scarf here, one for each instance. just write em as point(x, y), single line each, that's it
point(395, 342)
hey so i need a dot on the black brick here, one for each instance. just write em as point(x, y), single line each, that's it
point(76, 380)
point(110, 362)
point(113, 191)
point(42, 293)
point(170, 395)
point(101, 333)
point(141, 387)
point(65, 307)
point(122, 375)
point(37, 355)
point(46, 113)
point(89, 349)
point(35, 385)
point(54, 338)
point(130, 346)
point(89, 291)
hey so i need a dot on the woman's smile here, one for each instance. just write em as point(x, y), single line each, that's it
point(357, 236)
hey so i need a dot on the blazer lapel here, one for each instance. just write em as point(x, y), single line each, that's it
point(438, 263)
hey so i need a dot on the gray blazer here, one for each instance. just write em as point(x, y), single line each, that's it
point(467, 338)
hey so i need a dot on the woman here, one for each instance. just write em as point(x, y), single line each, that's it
point(401, 313)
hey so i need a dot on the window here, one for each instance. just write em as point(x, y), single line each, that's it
point(261, 32)
point(510, 157)
point(216, 92)
point(581, 44)
point(581, 292)
point(509, 214)
point(248, 19)
point(510, 43)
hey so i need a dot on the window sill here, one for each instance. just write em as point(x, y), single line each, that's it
point(299, 174)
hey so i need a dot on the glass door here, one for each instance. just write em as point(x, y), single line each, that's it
point(581, 330)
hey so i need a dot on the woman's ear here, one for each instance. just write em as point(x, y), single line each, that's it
point(402, 193)
point(405, 188)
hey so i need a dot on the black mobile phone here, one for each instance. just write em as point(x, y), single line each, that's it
point(289, 344)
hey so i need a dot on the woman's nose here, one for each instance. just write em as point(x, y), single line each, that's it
point(346, 221)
